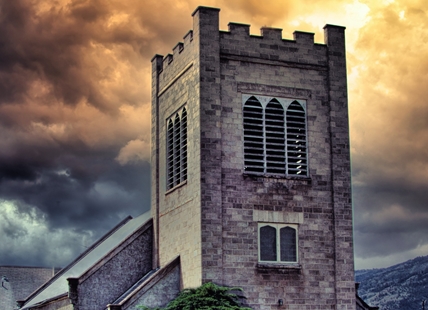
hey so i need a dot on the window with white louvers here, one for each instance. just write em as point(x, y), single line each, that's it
point(297, 161)
point(275, 135)
point(176, 149)
point(254, 142)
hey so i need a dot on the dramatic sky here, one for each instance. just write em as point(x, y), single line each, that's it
point(75, 125)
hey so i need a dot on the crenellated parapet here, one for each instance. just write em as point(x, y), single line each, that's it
point(270, 45)
point(167, 67)
point(238, 44)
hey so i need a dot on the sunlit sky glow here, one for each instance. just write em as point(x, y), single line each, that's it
point(75, 116)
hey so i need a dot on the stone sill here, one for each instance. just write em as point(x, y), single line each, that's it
point(287, 266)
point(175, 187)
point(276, 176)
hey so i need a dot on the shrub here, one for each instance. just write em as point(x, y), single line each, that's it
point(208, 296)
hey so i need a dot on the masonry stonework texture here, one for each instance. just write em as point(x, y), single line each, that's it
point(22, 282)
point(116, 272)
point(162, 288)
point(211, 219)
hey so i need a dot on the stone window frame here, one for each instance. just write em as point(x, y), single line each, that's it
point(176, 148)
point(278, 261)
point(274, 143)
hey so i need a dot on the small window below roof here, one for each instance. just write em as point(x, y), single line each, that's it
point(278, 243)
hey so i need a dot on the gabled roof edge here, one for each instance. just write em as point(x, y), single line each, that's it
point(153, 279)
point(83, 254)
point(62, 296)
point(122, 244)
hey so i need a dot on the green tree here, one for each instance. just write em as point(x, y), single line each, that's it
point(208, 296)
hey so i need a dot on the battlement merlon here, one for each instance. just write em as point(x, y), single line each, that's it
point(238, 28)
point(334, 37)
point(302, 37)
point(157, 64)
point(210, 11)
point(271, 33)
point(206, 24)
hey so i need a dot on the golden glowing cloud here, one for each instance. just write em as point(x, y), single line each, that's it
point(75, 96)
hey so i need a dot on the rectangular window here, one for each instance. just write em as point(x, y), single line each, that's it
point(275, 135)
point(278, 243)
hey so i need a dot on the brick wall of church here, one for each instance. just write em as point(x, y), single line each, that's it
point(177, 212)
point(212, 220)
point(22, 282)
point(320, 204)
point(270, 66)
point(111, 276)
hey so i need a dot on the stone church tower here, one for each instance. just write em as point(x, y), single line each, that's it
point(251, 168)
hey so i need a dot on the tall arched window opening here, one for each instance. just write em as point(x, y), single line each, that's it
point(297, 163)
point(253, 136)
point(176, 149)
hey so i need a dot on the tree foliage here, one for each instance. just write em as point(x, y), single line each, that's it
point(208, 296)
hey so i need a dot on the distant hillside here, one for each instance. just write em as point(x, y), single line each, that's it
point(400, 287)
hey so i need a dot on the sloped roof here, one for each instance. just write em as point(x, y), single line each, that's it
point(58, 285)
point(152, 281)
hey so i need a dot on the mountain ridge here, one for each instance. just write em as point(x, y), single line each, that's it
point(402, 286)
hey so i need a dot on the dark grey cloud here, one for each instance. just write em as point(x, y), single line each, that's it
point(68, 105)
point(59, 44)
point(390, 220)
point(75, 117)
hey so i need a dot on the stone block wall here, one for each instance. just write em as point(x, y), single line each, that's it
point(22, 282)
point(221, 204)
point(114, 273)
point(177, 212)
point(163, 286)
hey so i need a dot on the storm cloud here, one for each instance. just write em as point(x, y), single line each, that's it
point(389, 123)
point(75, 116)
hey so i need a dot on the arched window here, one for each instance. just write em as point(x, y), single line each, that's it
point(268, 243)
point(183, 140)
point(274, 136)
point(296, 140)
point(177, 149)
point(253, 136)
point(288, 247)
point(170, 154)
point(177, 153)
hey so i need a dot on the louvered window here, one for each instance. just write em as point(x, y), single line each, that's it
point(170, 154)
point(278, 243)
point(296, 140)
point(254, 136)
point(183, 142)
point(177, 149)
point(274, 136)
